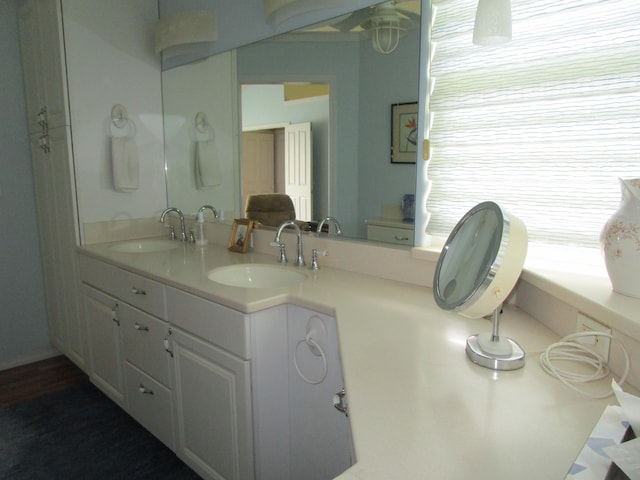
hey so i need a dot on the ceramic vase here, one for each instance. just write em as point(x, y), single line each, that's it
point(620, 241)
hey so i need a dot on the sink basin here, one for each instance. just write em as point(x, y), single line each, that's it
point(256, 276)
point(145, 246)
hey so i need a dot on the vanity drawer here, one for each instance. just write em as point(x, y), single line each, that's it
point(217, 324)
point(399, 236)
point(150, 404)
point(143, 339)
point(141, 292)
point(98, 274)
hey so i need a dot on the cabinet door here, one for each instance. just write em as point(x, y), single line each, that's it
point(213, 410)
point(105, 359)
point(55, 201)
point(43, 63)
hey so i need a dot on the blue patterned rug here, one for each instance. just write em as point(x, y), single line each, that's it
point(80, 434)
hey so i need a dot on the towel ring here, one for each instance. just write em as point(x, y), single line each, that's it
point(121, 125)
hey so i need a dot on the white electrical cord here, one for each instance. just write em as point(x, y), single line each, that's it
point(568, 349)
point(312, 345)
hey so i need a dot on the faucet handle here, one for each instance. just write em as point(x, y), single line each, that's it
point(172, 232)
point(314, 258)
point(283, 256)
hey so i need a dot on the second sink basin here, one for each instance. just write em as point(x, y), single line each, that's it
point(256, 275)
point(145, 246)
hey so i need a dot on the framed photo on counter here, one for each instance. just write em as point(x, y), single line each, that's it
point(240, 237)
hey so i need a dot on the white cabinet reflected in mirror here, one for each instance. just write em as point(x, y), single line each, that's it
point(352, 176)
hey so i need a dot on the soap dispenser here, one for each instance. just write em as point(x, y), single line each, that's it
point(201, 239)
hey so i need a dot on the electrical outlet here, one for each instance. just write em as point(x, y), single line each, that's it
point(599, 343)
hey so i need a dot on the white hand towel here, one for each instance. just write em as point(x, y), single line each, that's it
point(124, 162)
point(207, 167)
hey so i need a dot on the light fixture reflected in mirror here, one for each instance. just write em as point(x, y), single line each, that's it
point(385, 27)
point(184, 32)
point(493, 23)
point(477, 269)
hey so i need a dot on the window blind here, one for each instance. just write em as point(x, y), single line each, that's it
point(543, 125)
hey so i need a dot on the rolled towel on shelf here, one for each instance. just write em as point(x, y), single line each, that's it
point(207, 167)
point(124, 162)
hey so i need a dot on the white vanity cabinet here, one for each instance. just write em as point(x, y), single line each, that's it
point(125, 316)
point(212, 387)
point(237, 396)
point(390, 231)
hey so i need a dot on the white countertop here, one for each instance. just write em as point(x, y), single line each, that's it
point(418, 407)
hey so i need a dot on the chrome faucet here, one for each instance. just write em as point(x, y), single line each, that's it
point(183, 233)
point(215, 212)
point(277, 243)
point(329, 220)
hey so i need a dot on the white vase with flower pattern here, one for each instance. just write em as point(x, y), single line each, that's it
point(620, 241)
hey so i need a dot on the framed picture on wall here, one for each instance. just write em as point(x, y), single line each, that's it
point(240, 235)
point(404, 132)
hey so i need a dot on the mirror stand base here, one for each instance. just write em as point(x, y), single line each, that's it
point(512, 361)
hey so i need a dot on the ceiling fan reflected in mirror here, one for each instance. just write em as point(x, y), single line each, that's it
point(383, 24)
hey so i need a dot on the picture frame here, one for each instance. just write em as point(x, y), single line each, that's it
point(404, 132)
point(240, 237)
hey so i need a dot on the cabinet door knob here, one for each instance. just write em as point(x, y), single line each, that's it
point(144, 390)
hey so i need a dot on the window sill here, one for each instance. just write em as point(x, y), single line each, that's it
point(577, 277)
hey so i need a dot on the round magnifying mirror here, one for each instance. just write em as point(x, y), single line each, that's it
point(478, 267)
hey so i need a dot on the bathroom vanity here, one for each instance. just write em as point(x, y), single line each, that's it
point(211, 382)
point(418, 408)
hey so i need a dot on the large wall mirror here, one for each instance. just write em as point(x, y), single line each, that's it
point(329, 78)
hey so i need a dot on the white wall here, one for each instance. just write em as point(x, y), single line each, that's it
point(24, 334)
point(180, 109)
point(110, 60)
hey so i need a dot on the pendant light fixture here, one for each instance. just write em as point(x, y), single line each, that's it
point(493, 23)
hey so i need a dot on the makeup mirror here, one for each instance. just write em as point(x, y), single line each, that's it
point(477, 269)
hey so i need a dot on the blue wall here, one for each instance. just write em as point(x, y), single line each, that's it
point(366, 85)
point(23, 326)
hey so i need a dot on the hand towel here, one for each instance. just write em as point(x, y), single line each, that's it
point(124, 162)
point(207, 167)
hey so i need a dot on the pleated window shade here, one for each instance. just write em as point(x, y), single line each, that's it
point(543, 125)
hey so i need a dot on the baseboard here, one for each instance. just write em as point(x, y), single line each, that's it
point(34, 357)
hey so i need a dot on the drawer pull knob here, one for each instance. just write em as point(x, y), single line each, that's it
point(138, 291)
point(142, 328)
point(400, 238)
point(144, 390)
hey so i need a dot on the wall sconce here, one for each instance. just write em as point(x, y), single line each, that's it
point(179, 33)
point(385, 27)
point(493, 23)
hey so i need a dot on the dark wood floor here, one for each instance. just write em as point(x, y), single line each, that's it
point(36, 379)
